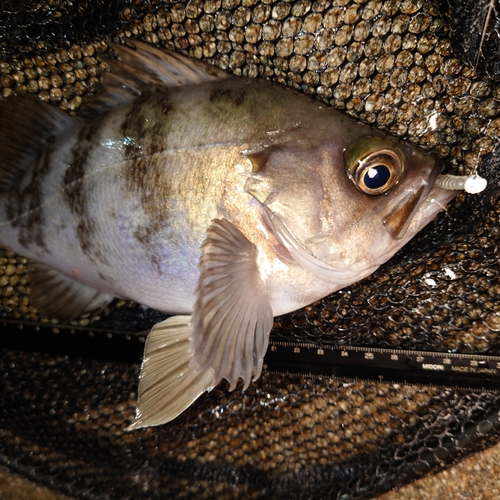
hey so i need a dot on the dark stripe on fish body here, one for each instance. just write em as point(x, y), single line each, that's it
point(147, 181)
point(75, 190)
point(25, 207)
point(228, 97)
point(145, 236)
point(145, 134)
point(146, 173)
point(34, 229)
point(147, 178)
point(225, 102)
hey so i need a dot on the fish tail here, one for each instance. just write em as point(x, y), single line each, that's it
point(27, 124)
point(170, 380)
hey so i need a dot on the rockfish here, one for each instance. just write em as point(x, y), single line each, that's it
point(222, 199)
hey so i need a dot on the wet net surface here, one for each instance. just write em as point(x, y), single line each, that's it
point(289, 436)
point(390, 64)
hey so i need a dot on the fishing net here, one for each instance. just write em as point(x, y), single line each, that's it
point(392, 64)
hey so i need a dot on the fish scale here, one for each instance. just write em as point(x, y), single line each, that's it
point(354, 303)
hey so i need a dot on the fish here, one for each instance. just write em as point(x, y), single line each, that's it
point(222, 200)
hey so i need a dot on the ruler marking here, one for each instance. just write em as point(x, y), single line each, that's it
point(443, 369)
point(440, 369)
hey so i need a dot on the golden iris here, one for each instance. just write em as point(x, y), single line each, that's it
point(374, 165)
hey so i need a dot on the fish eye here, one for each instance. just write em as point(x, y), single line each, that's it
point(374, 165)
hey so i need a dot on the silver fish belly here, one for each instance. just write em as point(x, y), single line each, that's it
point(226, 200)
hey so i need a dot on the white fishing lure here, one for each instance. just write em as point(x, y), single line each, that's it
point(472, 184)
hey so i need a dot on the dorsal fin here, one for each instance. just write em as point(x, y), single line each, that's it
point(144, 68)
point(27, 124)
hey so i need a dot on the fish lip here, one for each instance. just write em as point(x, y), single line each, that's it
point(419, 206)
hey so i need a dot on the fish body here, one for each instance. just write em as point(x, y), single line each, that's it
point(224, 199)
point(123, 201)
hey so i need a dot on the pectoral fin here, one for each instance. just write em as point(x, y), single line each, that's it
point(232, 316)
point(226, 337)
point(58, 296)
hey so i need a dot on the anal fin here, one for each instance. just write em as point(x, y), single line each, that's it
point(58, 296)
point(169, 381)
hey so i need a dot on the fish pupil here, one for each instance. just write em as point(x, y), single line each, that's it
point(377, 177)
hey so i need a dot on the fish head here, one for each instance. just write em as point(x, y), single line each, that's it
point(343, 207)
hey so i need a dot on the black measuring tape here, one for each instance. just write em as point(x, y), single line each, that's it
point(467, 371)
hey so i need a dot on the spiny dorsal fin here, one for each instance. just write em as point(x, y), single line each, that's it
point(27, 124)
point(144, 68)
point(57, 296)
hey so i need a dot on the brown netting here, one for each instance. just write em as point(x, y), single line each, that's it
point(387, 63)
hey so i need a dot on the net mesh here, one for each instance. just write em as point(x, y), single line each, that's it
point(391, 64)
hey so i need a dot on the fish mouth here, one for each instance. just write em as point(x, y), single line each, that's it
point(418, 207)
point(436, 201)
